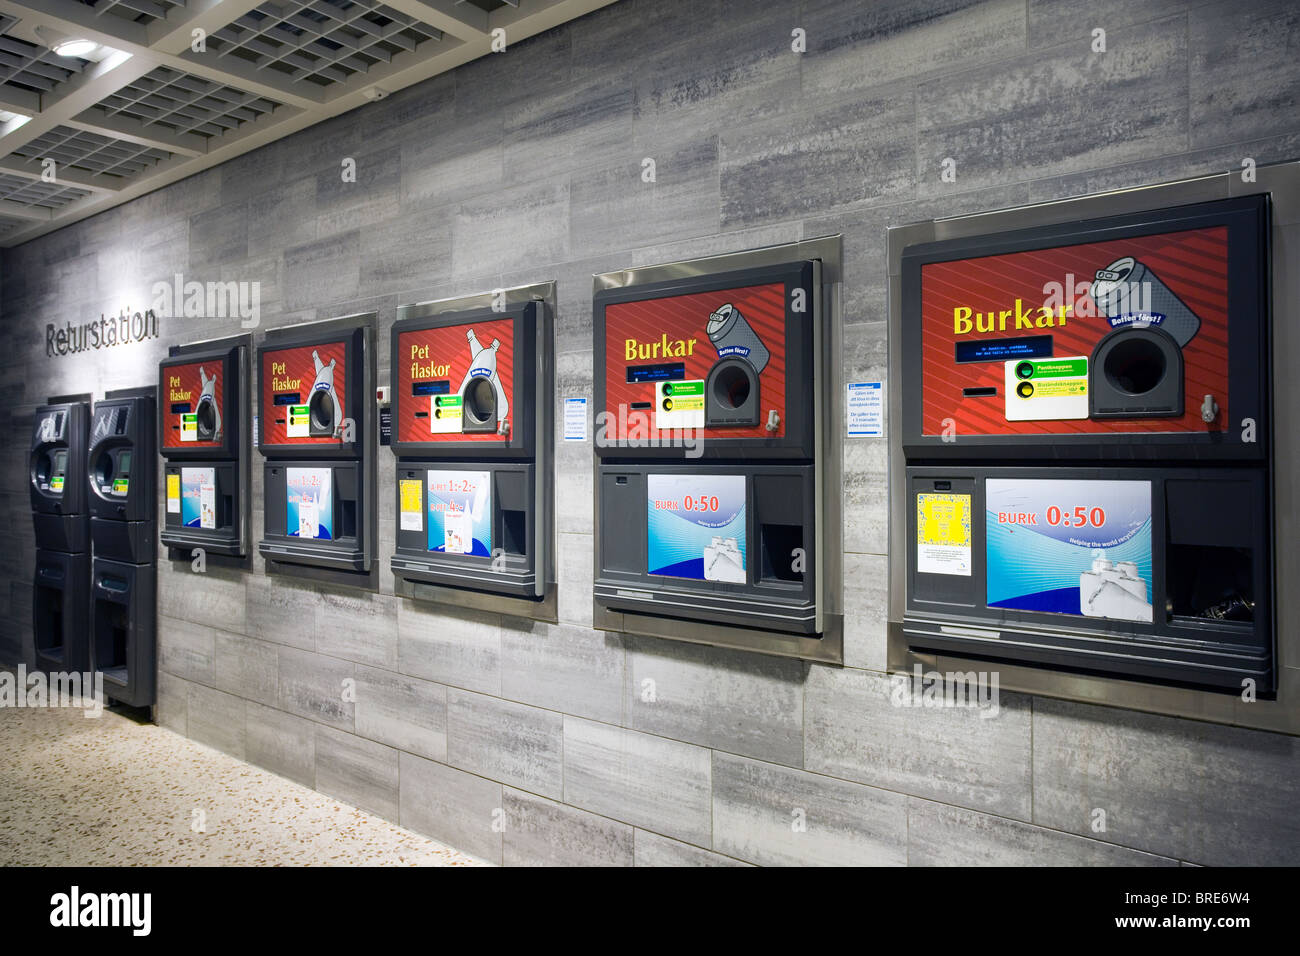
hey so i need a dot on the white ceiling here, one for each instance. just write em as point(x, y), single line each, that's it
point(146, 109)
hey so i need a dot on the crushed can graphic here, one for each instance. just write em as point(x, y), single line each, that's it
point(731, 334)
point(1131, 295)
point(731, 391)
point(326, 408)
point(1113, 591)
point(209, 413)
point(483, 398)
point(724, 562)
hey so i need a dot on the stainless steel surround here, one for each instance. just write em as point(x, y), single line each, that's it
point(1282, 183)
point(828, 414)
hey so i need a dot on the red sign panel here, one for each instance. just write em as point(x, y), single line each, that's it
point(1008, 340)
point(303, 394)
point(455, 383)
point(193, 404)
point(659, 353)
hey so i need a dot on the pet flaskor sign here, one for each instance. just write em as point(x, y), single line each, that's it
point(125, 328)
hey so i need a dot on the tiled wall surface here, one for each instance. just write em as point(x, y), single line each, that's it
point(528, 743)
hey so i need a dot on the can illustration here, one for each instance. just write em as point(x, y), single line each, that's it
point(1128, 290)
point(731, 335)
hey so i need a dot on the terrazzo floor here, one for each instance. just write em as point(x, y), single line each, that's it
point(111, 791)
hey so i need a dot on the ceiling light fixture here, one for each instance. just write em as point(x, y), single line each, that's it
point(75, 47)
point(63, 45)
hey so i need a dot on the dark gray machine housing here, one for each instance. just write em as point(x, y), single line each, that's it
point(123, 591)
point(61, 520)
point(521, 468)
point(352, 463)
point(1208, 548)
point(1212, 553)
point(780, 598)
point(58, 456)
point(780, 519)
point(229, 460)
point(121, 465)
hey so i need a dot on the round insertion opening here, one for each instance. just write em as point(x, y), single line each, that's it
point(207, 417)
point(480, 401)
point(104, 468)
point(1135, 365)
point(1024, 370)
point(731, 387)
point(322, 411)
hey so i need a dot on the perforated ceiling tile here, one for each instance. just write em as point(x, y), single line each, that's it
point(182, 103)
point(144, 107)
point(33, 192)
point(487, 6)
point(321, 41)
point(92, 153)
point(138, 11)
point(30, 67)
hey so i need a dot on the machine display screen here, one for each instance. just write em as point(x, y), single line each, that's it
point(310, 511)
point(460, 512)
point(1070, 546)
point(696, 527)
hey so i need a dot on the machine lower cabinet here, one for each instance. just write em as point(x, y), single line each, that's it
point(59, 608)
point(123, 620)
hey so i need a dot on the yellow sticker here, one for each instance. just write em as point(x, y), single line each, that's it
point(412, 504)
point(173, 494)
point(943, 538)
point(943, 519)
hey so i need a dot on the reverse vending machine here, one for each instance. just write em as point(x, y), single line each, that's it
point(1086, 424)
point(122, 467)
point(713, 387)
point(202, 424)
point(316, 432)
point(473, 395)
point(61, 518)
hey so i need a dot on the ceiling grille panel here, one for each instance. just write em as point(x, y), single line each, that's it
point(137, 11)
point(92, 153)
point(321, 41)
point(144, 107)
point(33, 192)
point(31, 67)
point(182, 103)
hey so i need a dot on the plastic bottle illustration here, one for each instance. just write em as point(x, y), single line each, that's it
point(483, 364)
point(208, 396)
point(324, 383)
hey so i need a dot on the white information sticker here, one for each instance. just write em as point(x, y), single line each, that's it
point(866, 409)
point(575, 419)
